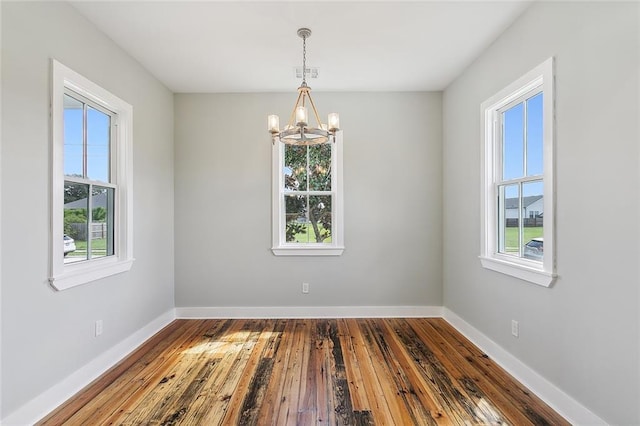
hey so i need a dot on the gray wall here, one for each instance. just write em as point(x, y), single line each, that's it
point(47, 335)
point(582, 334)
point(392, 187)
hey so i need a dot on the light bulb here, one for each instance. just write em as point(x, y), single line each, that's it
point(334, 121)
point(273, 123)
point(301, 116)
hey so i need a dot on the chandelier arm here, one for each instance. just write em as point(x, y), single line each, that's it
point(315, 111)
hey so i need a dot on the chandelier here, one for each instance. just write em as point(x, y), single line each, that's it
point(298, 131)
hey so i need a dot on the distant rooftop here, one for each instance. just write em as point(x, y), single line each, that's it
point(512, 203)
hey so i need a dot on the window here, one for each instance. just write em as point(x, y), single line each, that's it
point(307, 199)
point(518, 186)
point(91, 208)
point(88, 189)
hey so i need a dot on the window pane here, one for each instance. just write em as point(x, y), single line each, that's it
point(101, 222)
point(296, 218)
point(320, 167)
point(76, 205)
point(308, 218)
point(295, 168)
point(73, 137)
point(534, 135)
point(533, 207)
point(508, 219)
point(98, 136)
point(320, 218)
point(513, 143)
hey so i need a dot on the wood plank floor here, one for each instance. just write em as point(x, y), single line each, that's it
point(306, 372)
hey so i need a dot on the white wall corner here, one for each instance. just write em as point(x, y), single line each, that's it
point(310, 312)
point(52, 398)
point(557, 399)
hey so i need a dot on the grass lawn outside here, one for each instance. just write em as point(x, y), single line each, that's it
point(511, 236)
point(98, 248)
point(309, 236)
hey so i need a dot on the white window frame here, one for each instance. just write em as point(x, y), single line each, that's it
point(541, 273)
point(280, 246)
point(63, 276)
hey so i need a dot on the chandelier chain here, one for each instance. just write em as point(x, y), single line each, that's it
point(304, 60)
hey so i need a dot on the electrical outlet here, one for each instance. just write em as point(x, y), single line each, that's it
point(515, 328)
point(305, 288)
point(98, 327)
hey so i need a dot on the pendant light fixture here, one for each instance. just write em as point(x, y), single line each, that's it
point(298, 131)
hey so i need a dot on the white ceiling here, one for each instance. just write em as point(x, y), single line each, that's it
point(240, 46)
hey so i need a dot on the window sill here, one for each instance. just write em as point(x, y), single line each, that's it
point(75, 275)
point(524, 272)
point(307, 251)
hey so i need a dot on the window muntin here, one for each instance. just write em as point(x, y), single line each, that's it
point(518, 197)
point(91, 171)
point(307, 199)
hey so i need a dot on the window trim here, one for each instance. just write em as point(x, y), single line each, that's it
point(63, 276)
point(281, 247)
point(541, 273)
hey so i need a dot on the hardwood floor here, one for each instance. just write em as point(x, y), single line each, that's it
point(306, 372)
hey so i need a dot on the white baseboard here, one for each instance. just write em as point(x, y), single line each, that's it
point(49, 400)
point(310, 312)
point(564, 404)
